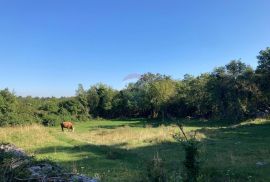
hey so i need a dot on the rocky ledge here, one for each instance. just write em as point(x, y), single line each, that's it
point(16, 165)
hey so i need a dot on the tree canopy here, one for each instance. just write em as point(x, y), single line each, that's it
point(232, 92)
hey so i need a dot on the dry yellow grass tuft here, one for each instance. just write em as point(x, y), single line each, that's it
point(26, 137)
point(129, 137)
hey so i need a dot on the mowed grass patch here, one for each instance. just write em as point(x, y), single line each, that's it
point(120, 150)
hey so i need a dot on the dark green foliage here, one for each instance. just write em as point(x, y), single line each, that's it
point(51, 120)
point(156, 170)
point(100, 100)
point(263, 76)
point(191, 162)
point(233, 93)
point(113, 154)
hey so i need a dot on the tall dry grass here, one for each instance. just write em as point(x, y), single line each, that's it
point(128, 137)
point(26, 137)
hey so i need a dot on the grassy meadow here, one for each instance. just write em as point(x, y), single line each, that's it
point(115, 150)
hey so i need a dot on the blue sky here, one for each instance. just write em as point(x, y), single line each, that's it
point(48, 47)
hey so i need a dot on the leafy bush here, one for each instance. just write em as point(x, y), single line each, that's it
point(191, 162)
point(55, 120)
point(50, 120)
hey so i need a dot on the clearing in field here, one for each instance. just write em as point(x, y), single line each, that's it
point(120, 150)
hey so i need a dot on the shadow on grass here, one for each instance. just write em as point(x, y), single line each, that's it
point(249, 131)
point(145, 122)
point(114, 162)
point(234, 148)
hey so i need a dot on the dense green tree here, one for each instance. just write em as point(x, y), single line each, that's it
point(8, 108)
point(100, 99)
point(232, 87)
point(149, 88)
point(263, 75)
point(160, 92)
point(197, 96)
point(81, 96)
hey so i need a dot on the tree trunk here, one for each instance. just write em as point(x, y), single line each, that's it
point(163, 119)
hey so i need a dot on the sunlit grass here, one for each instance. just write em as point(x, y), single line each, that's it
point(27, 137)
point(128, 137)
point(132, 143)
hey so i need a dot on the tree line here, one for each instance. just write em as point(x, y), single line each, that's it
point(233, 92)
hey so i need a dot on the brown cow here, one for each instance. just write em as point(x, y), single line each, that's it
point(68, 125)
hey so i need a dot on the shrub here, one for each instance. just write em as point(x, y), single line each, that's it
point(155, 170)
point(50, 120)
point(191, 162)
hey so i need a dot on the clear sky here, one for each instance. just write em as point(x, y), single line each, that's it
point(48, 47)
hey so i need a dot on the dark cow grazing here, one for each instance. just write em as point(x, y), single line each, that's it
point(68, 125)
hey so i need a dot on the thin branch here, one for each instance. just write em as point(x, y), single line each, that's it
point(182, 130)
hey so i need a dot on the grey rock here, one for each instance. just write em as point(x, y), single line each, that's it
point(259, 163)
point(82, 178)
point(12, 149)
point(43, 171)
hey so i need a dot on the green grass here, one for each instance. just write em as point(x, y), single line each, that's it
point(119, 150)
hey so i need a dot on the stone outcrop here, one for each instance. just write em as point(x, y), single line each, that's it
point(16, 160)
